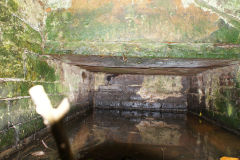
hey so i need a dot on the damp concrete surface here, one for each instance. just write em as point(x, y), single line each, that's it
point(150, 128)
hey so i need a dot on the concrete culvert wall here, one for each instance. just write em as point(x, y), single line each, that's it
point(141, 92)
point(144, 29)
point(199, 89)
point(215, 94)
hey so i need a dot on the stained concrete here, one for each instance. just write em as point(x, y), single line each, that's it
point(209, 88)
point(150, 66)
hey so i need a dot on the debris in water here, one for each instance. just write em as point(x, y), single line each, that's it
point(46, 146)
point(38, 153)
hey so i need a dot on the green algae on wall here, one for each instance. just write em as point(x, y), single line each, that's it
point(221, 95)
point(11, 89)
point(16, 33)
point(150, 49)
point(17, 38)
point(3, 114)
point(38, 69)
point(7, 138)
point(143, 20)
point(147, 28)
point(21, 68)
point(21, 111)
point(11, 64)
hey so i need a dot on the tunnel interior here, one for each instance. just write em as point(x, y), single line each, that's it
point(146, 79)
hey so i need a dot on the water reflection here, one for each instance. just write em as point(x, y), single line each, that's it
point(134, 135)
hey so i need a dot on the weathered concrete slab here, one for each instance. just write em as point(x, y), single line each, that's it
point(146, 66)
point(81, 26)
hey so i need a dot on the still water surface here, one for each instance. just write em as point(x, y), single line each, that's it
point(134, 135)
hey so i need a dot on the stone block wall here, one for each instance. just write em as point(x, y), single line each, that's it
point(22, 66)
point(215, 94)
point(18, 117)
point(140, 92)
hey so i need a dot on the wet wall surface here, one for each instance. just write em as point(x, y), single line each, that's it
point(143, 65)
point(140, 92)
point(23, 36)
point(18, 117)
point(139, 28)
point(216, 95)
point(206, 86)
point(135, 135)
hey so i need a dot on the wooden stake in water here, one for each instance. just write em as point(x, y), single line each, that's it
point(53, 117)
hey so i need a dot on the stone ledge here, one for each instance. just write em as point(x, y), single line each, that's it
point(179, 110)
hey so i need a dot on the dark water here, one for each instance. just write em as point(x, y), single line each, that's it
point(131, 135)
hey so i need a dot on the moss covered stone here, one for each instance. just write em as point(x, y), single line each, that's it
point(147, 49)
point(230, 122)
point(12, 5)
point(39, 70)
point(221, 96)
point(11, 89)
point(39, 124)
point(7, 138)
point(27, 129)
point(21, 111)
point(16, 39)
point(11, 64)
point(86, 31)
point(20, 47)
point(4, 114)
point(17, 33)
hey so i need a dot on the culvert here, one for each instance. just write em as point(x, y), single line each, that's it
point(155, 114)
point(140, 105)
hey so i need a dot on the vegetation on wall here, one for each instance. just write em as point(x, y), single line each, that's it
point(21, 68)
point(158, 32)
point(222, 100)
point(16, 33)
point(39, 70)
point(17, 39)
point(225, 34)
